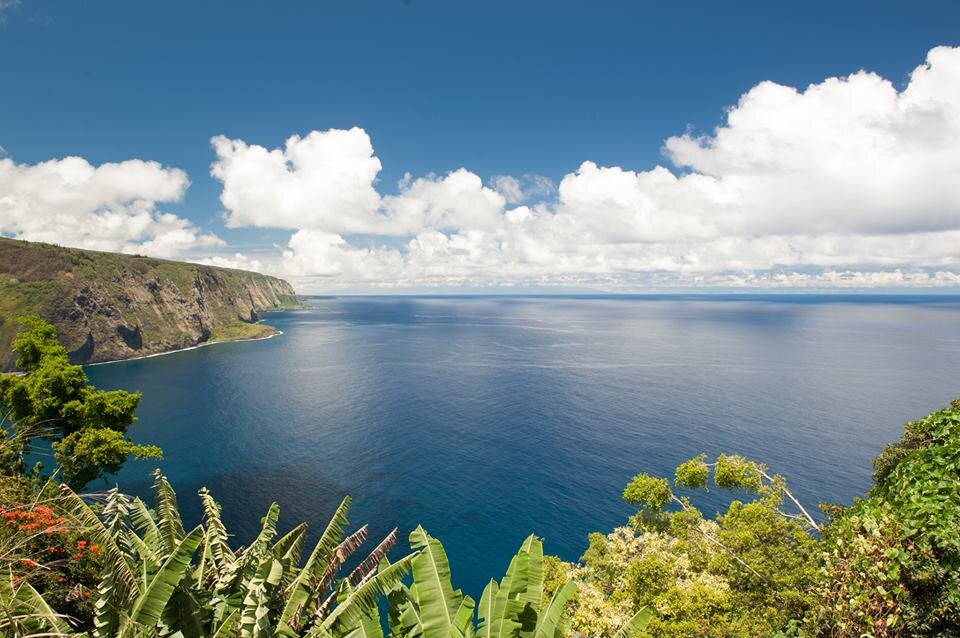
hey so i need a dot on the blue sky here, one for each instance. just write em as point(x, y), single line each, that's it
point(498, 88)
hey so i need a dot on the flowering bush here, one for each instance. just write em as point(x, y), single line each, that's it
point(37, 519)
point(55, 559)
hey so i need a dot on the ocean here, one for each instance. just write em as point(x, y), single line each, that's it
point(486, 419)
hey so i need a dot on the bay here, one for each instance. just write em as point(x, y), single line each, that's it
point(488, 418)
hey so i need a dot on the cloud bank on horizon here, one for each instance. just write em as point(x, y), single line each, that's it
point(109, 207)
point(851, 182)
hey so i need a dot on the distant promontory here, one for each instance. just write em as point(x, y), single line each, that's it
point(109, 306)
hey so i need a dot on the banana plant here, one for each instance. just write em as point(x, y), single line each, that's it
point(161, 580)
point(430, 607)
point(24, 612)
point(513, 608)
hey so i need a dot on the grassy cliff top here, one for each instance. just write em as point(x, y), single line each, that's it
point(119, 306)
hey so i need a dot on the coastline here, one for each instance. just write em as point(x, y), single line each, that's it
point(194, 347)
point(276, 333)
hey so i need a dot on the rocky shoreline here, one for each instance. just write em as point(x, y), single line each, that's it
point(111, 307)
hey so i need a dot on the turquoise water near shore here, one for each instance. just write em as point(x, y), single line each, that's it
point(487, 418)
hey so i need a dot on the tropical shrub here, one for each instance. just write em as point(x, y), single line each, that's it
point(517, 606)
point(893, 558)
point(160, 580)
point(887, 566)
point(56, 560)
point(51, 399)
point(746, 573)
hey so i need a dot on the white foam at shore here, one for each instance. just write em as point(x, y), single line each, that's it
point(199, 345)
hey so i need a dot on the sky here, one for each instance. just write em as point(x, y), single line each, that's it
point(493, 146)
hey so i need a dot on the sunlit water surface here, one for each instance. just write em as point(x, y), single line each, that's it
point(488, 418)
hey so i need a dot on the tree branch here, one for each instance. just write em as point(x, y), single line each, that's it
point(721, 545)
point(806, 514)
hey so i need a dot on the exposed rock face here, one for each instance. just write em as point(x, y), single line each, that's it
point(108, 306)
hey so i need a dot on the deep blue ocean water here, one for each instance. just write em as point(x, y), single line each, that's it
point(488, 418)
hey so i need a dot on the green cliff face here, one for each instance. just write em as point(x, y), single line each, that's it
point(108, 306)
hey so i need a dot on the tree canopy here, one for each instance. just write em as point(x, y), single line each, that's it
point(51, 399)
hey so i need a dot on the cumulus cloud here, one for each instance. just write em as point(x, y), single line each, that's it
point(324, 180)
point(456, 201)
point(847, 155)
point(848, 182)
point(108, 207)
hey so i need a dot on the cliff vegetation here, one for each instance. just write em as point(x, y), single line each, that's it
point(108, 306)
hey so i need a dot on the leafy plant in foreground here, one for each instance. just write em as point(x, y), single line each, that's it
point(888, 566)
point(746, 573)
point(893, 558)
point(161, 580)
point(514, 607)
point(52, 400)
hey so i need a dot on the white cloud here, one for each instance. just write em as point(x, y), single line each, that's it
point(324, 180)
point(847, 155)
point(844, 279)
point(847, 182)
point(108, 207)
point(237, 261)
point(457, 201)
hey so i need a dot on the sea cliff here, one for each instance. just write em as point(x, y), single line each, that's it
point(109, 306)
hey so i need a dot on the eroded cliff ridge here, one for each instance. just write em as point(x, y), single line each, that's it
point(109, 306)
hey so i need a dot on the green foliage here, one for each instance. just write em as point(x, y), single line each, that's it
point(747, 573)
point(36, 343)
point(159, 297)
point(87, 454)
point(735, 472)
point(160, 580)
point(649, 492)
point(40, 551)
point(893, 558)
point(917, 435)
point(693, 474)
point(441, 611)
point(26, 612)
point(52, 400)
point(693, 585)
point(888, 566)
point(530, 601)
